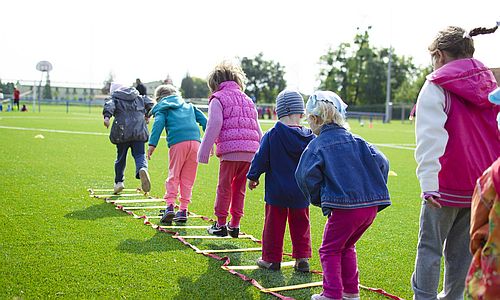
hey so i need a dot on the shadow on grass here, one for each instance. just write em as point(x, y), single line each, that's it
point(160, 242)
point(215, 283)
point(94, 212)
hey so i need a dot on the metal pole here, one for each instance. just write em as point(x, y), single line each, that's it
point(388, 94)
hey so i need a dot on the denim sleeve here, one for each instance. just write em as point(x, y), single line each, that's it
point(309, 176)
point(200, 118)
point(261, 160)
point(157, 129)
point(108, 109)
point(381, 160)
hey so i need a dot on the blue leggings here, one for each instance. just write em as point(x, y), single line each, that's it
point(121, 159)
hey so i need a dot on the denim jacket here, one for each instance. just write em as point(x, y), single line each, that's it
point(339, 170)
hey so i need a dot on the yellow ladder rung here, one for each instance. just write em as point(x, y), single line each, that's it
point(283, 264)
point(229, 250)
point(135, 200)
point(293, 287)
point(185, 227)
point(211, 237)
point(142, 207)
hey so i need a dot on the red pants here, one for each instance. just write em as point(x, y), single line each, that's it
point(274, 231)
point(231, 191)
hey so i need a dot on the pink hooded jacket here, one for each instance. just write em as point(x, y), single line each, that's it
point(473, 137)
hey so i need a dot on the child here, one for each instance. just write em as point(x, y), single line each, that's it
point(278, 156)
point(347, 178)
point(483, 278)
point(457, 140)
point(234, 128)
point(129, 130)
point(183, 138)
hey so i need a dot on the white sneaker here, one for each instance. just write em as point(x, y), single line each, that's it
point(320, 297)
point(346, 296)
point(118, 187)
point(145, 182)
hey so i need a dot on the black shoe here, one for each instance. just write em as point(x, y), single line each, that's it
point(301, 265)
point(168, 215)
point(181, 216)
point(217, 230)
point(233, 231)
point(274, 266)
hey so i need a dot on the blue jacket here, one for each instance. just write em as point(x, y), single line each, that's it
point(278, 156)
point(341, 170)
point(179, 119)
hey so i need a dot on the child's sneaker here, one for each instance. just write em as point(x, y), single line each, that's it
point(301, 265)
point(233, 231)
point(320, 297)
point(145, 182)
point(346, 296)
point(217, 230)
point(268, 265)
point(119, 186)
point(168, 215)
point(181, 216)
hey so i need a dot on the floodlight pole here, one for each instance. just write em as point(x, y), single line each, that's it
point(388, 89)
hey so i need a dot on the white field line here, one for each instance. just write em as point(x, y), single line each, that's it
point(395, 146)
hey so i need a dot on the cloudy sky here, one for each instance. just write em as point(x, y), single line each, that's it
point(86, 40)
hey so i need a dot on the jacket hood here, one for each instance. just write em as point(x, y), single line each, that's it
point(467, 78)
point(127, 94)
point(294, 139)
point(170, 102)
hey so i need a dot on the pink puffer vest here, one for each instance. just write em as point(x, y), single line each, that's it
point(473, 138)
point(240, 131)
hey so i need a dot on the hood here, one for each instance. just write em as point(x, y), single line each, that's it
point(293, 139)
point(467, 78)
point(127, 94)
point(170, 102)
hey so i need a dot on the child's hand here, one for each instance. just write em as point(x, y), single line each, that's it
point(252, 184)
point(106, 122)
point(151, 149)
point(430, 198)
point(147, 120)
point(212, 152)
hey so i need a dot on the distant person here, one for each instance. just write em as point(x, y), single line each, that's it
point(347, 178)
point(457, 139)
point(180, 120)
point(24, 108)
point(233, 126)
point(129, 130)
point(17, 94)
point(1, 99)
point(141, 88)
point(483, 278)
point(278, 157)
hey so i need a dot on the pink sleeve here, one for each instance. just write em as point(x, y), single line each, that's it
point(212, 131)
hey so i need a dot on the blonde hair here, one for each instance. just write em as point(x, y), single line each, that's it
point(457, 42)
point(327, 114)
point(165, 90)
point(226, 71)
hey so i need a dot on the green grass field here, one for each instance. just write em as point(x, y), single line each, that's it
point(57, 242)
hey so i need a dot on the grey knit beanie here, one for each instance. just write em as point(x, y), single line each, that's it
point(289, 102)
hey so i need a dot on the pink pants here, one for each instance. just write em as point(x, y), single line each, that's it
point(338, 252)
point(231, 191)
point(181, 172)
point(274, 231)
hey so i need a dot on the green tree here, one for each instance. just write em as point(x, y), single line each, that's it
point(187, 86)
point(201, 89)
point(265, 78)
point(358, 72)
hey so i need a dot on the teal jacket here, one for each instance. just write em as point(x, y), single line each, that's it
point(179, 119)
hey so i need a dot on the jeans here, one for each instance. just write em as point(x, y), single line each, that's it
point(443, 231)
point(121, 159)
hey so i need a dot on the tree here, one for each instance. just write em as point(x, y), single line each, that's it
point(201, 89)
point(187, 86)
point(265, 78)
point(358, 72)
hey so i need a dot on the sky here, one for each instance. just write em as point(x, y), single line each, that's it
point(86, 40)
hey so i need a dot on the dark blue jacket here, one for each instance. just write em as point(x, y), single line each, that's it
point(278, 156)
point(341, 170)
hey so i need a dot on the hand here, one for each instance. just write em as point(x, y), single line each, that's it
point(252, 184)
point(212, 151)
point(151, 149)
point(147, 120)
point(431, 197)
point(106, 122)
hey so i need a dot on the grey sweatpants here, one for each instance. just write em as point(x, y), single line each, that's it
point(443, 231)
